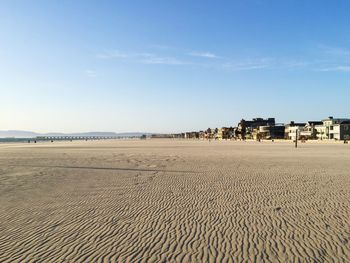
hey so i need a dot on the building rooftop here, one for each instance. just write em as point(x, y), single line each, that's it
point(292, 123)
point(315, 122)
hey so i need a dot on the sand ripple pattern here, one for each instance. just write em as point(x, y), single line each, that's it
point(175, 201)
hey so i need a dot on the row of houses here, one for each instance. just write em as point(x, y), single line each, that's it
point(259, 129)
point(327, 129)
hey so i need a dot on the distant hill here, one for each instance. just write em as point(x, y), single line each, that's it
point(18, 134)
point(30, 134)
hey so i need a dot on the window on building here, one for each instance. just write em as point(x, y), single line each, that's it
point(331, 128)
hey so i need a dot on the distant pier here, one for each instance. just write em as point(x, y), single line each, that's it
point(75, 138)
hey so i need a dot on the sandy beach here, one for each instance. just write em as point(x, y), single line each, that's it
point(174, 201)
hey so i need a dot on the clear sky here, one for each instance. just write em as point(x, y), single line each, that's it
point(168, 66)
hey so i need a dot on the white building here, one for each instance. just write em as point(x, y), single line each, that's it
point(334, 129)
point(310, 130)
point(292, 129)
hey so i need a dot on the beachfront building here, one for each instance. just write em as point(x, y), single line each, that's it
point(310, 130)
point(321, 133)
point(224, 133)
point(245, 129)
point(293, 130)
point(191, 135)
point(201, 135)
point(334, 129)
point(269, 132)
point(344, 130)
point(209, 134)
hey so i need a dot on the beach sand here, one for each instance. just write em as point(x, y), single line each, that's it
point(174, 201)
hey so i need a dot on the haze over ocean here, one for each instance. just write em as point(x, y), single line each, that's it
point(161, 66)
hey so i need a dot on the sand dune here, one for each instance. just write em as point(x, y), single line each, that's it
point(174, 201)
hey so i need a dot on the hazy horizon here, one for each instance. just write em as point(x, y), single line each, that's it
point(78, 66)
point(149, 132)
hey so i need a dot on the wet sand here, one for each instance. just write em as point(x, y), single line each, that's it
point(174, 201)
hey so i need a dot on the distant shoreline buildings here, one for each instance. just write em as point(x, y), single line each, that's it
point(267, 129)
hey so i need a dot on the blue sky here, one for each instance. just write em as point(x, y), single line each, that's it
point(168, 66)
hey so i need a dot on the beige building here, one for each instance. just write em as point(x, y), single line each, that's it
point(269, 132)
point(224, 133)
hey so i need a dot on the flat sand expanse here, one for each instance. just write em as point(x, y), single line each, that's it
point(174, 201)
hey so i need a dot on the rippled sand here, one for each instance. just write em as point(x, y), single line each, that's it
point(174, 201)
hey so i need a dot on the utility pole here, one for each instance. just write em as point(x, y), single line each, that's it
point(296, 138)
